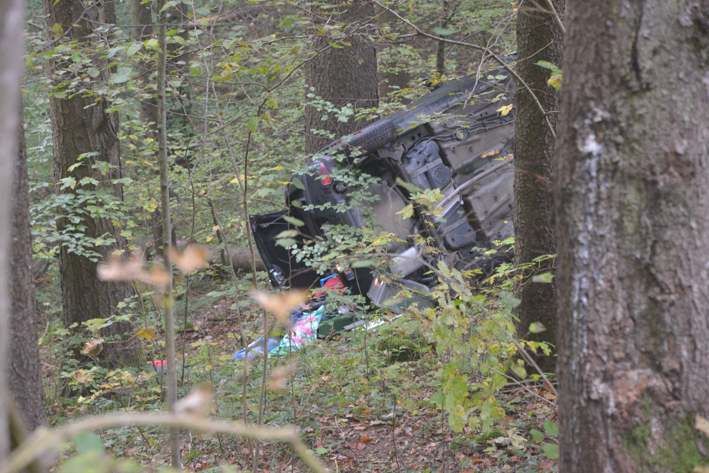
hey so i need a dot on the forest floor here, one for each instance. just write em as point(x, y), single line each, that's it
point(360, 403)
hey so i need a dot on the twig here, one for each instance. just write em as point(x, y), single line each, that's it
point(522, 386)
point(494, 56)
point(42, 440)
point(557, 19)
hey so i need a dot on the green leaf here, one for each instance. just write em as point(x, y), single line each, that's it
point(547, 65)
point(93, 72)
point(297, 183)
point(293, 221)
point(87, 442)
point(519, 371)
point(252, 124)
point(286, 242)
point(365, 263)
point(321, 451)
point(551, 429)
point(287, 234)
point(536, 327)
point(551, 450)
point(118, 78)
point(152, 43)
point(537, 435)
point(545, 278)
point(134, 48)
point(443, 31)
point(168, 5)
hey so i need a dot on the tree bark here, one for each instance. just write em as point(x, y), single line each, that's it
point(169, 325)
point(393, 75)
point(538, 39)
point(25, 370)
point(631, 232)
point(241, 259)
point(142, 19)
point(81, 125)
point(341, 76)
point(11, 50)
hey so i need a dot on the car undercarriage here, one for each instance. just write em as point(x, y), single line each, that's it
point(456, 144)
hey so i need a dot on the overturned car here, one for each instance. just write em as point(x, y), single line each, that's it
point(457, 141)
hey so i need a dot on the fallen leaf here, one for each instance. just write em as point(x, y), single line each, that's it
point(192, 258)
point(360, 427)
point(361, 446)
point(366, 438)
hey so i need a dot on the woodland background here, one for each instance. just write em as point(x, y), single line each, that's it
point(152, 122)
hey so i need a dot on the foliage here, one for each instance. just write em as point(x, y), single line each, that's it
point(235, 136)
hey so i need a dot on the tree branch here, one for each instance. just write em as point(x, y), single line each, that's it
point(494, 56)
point(557, 19)
point(43, 439)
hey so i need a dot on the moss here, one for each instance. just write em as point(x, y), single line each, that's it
point(488, 435)
point(677, 451)
point(399, 349)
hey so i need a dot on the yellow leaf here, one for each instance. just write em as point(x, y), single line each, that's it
point(145, 333)
point(505, 109)
point(555, 81)
point(702, 424)
point(58, 30)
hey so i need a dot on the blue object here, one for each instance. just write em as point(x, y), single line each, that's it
point(323, 280)
point(256, 349)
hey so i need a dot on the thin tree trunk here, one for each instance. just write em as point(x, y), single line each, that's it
point(341, 76)
point(25, 370)
point(81, 125)
point(11, 50)
point(538, 39)
point(166, 230)
point(631, 231)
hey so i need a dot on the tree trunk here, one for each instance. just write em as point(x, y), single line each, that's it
point(393, 74)
point(80, 125)
point(11, 37)
point(538, 39)
point(341, 76)
point(142, 19)
point(169, 325)
point(25, 370)
point(631, 232)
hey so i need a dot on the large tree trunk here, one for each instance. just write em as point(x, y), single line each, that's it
point(393, 76)
point(25, 370)
point(538, 39)
point(81, 125)
point(142, 19)
point(11, 35)
point(632, 236)
point(341, 76)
